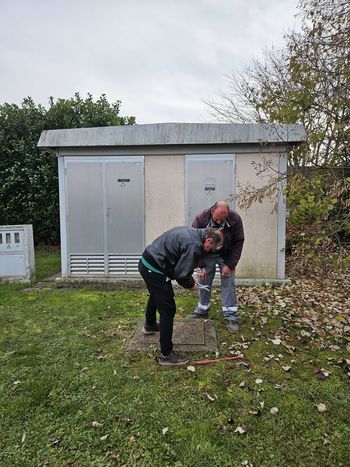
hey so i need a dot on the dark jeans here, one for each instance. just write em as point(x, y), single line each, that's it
point(161, 298)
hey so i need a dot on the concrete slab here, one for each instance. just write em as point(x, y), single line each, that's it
point(190, 335)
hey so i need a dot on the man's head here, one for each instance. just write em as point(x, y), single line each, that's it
point(213, 240)
point(220, 211)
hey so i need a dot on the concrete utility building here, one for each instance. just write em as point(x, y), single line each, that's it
point(122, 186)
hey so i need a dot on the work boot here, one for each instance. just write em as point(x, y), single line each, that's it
point(148, 330)
point(232, 326)
point(173, 359)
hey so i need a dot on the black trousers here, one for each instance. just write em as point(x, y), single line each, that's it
point(161, 298)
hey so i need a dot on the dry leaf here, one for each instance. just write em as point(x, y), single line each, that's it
point(242, 384)
point(165, 430)
point(322, 408)
point(274, 410)
point(96, 424)
point(103, 438)
point(242, 429)
point(209, 397)
point(258, 381)
point(286, 368)
point(321, 373)
point(191, 368)
point(276, 341)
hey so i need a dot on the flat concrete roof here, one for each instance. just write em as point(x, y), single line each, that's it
point(159, 134)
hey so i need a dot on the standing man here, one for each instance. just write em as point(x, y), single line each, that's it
point(229, 223)
point(173, 255)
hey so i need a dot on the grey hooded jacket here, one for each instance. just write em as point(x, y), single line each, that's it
point(177, 253)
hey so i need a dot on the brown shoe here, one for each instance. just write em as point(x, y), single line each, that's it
point(172, 359)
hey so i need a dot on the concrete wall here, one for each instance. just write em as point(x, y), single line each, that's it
point(259, 258)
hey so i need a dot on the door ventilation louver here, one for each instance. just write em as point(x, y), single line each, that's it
point(122, 265)
point(81, 265)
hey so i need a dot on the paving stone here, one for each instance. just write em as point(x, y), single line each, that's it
point(189, 335)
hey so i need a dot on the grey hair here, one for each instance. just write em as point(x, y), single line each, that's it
point(220, 204)
point(215, 235)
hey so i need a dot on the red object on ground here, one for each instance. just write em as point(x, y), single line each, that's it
point(204, 362)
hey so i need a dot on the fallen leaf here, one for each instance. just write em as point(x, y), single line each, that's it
point(321, 373)
point(258, 381)
point(191, 368)
point(322, 408)
point(255, 412)
point(274, 410)
point(132, 439)
point(96, 424)
point(242, 429)
point(209, 397)
point(165, 430)
point(276, 341)
point(103, 438)
point(286, 368)
point(242, 384)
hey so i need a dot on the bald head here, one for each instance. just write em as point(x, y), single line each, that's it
point(220, 211)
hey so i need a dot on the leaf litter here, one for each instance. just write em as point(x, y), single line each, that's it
point(314, 311)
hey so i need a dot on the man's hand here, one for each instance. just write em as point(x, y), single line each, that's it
point(195, 287)
point(202, 273)
point(226, 271)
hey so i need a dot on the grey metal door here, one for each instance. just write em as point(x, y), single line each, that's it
point(85, 226)
point(125, 207)
point(104, 215)
point(209, 179)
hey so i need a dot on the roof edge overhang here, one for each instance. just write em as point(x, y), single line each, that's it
point(173, 135)
point(171, 150)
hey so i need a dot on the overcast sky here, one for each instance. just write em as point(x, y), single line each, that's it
point(161, 58)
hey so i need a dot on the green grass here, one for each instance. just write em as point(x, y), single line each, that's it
point(47, 262)
point(64, 365)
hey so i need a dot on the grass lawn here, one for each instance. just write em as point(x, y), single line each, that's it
point(71, 395)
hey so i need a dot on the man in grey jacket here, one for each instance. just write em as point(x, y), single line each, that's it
point(173, 255)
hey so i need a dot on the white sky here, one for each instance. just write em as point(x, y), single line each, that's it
point(161, 58)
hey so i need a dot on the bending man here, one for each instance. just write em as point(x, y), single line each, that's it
point(173, 255)
point(221, 217)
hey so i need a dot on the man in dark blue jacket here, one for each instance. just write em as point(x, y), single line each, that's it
point(173, 255)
